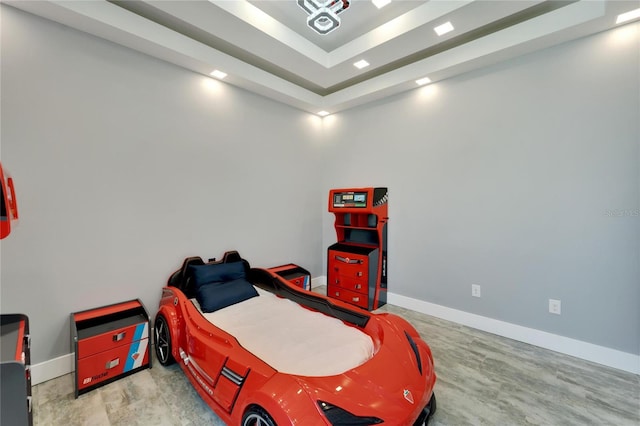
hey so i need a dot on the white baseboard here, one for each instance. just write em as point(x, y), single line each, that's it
point(318, 281)
point(565, 345)
point(52, 368)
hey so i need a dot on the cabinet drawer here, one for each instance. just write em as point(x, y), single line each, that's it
point(99, 339)
point(355, 271)
point(348, 296)
point(358, 285)
point(348, 264)
point(345, 258)
point(111, 363)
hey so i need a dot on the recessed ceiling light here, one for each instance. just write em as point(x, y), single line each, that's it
point(380, 3)
point(444, 28)
point(423, 81)
point(626, 17)
point(361, 64)
point(323, 113)
point(218, 74)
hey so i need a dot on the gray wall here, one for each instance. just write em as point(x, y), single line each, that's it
point(124, 165)
point(522, 177)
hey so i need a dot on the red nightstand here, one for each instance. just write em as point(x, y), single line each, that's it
point(295, 274)
point(109, 342)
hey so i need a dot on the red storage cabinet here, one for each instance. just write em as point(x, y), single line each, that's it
point(353, 274)
point(357, 262)
point(109, 342)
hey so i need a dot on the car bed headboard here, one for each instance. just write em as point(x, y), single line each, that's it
point(181, 278)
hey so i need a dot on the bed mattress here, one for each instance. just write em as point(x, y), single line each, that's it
point(293, 339)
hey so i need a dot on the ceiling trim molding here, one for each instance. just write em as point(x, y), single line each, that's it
point(480, 52)
point(399, 26)
point(119, 25)
point(255, 17)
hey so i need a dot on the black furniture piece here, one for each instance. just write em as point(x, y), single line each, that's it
point(15, 371)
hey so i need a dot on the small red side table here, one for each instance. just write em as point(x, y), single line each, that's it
point(295, 274)
point(109, 342)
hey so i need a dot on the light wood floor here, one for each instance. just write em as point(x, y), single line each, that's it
point(483, 379)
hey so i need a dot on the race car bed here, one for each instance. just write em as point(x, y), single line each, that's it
point(260, 351)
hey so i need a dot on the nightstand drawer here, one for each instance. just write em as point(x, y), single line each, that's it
point(301, 281)
point(108, 336)
point(110, 364)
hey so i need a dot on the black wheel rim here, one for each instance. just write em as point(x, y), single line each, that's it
point(162, 341)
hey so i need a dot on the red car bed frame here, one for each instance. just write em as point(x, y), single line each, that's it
point(394, 387)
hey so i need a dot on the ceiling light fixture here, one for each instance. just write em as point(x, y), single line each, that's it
point(218, 74)
point(444, 28)
point(423, 81)
point(323, 14)
point(323, 113)
point(361, 64)
point(380, 3)
point(628, 16)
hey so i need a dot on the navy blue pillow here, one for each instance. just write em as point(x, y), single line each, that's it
point(216, 272)
point(214, 296)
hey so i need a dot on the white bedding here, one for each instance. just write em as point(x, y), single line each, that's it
point(293, 339)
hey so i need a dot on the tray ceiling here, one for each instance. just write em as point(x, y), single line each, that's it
point(268, 48)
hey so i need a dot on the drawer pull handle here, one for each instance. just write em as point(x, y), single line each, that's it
point(347, 260)
point(112, 363)
point(337, 281)
point(355, 299)
point(359, 274)
point(119, 336)
point(358, 286)
point(338, 293)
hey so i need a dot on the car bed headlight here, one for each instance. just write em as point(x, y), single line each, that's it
point(340, 417)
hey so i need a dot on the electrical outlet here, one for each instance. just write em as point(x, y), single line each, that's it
point(475, 290)
point(555, 306)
